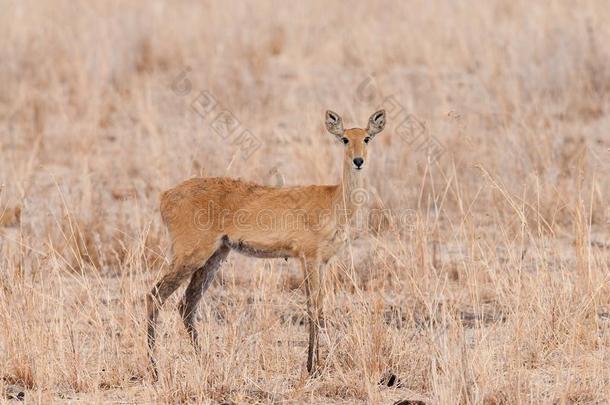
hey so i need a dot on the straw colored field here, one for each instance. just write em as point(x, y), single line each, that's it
point(485, 279)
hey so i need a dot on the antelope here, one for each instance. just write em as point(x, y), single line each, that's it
point(208, 217)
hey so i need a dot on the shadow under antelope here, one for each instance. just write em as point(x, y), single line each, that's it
point(209, 217)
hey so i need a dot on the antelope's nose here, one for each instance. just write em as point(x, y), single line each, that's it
point(358, 162)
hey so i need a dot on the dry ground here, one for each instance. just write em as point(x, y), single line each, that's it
point(485, 281)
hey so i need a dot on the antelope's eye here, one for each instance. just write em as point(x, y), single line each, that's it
point(367, 139)
point(345, 140)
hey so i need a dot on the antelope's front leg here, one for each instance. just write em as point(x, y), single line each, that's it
point(315, 301)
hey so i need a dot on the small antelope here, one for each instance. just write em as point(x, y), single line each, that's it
point(209, 217)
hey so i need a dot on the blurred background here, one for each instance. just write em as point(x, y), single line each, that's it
point(497, 142)
point(87, 95)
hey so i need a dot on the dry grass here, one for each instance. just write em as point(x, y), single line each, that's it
point(495, 290)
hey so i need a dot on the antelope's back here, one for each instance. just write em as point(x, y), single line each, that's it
point(206, 199)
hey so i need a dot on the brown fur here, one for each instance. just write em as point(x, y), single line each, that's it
point(208, 217)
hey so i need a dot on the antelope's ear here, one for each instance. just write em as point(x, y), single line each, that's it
point(334, 123)
point(376, 123)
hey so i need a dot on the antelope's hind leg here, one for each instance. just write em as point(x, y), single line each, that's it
point(200, 282)
point(182, 267)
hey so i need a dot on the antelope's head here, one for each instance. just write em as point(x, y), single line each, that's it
point(356, 140)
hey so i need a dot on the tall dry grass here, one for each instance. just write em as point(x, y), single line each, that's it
point(494, 290)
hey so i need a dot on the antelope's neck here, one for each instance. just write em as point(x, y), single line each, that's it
point(350, 194)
